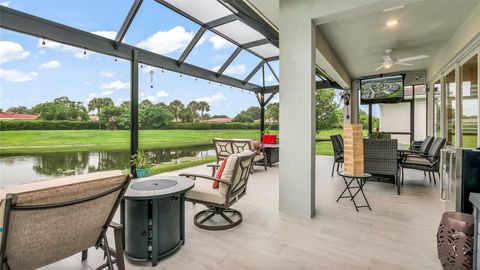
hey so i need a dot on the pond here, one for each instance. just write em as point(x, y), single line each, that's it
point(25, 168)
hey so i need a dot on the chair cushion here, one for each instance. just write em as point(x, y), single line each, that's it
point(257, 145)
point(418, 161)
point(202, 191)
point(258, 158)
point(219, 173)
point(228, 173)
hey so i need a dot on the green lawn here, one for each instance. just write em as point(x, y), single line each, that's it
point(36, 141)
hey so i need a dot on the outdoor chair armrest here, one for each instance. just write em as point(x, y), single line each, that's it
point(115, 225)
point(194, 176)
point(213, 165)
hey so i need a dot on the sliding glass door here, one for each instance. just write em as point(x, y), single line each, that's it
point(469, 117)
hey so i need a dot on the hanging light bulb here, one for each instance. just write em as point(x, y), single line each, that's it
point(196, 79)
point(115, 60)
point(209, 82)
point(43, 42)
point(151, 78)
point(84, 53)
point(221, 85)
point(163, 71)
point(141, 65)
point(180, 75)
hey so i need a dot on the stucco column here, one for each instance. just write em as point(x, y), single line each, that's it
point(297, 110)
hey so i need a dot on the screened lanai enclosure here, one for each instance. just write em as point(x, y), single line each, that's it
point(247, 42)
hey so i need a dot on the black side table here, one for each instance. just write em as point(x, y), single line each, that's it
point(360, 181)
point(153, 214)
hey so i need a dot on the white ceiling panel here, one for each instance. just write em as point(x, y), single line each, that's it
point(266, 50)
point(203, 10)
point(239, 32)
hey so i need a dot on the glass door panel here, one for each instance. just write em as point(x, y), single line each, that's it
point(469, 73)
point(437, 93)
point(450, 89)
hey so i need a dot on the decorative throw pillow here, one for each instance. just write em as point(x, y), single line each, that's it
point(219, 173)
point(257, 145)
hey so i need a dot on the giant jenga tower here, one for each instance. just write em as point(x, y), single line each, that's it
point(353, 149)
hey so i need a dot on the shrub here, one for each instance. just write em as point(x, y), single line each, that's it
point(46, 125)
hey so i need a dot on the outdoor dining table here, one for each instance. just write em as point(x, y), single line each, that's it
point(360, 181)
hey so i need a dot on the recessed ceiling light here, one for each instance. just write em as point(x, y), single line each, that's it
point(387, 66)
point(393, 8)
point(392, 22)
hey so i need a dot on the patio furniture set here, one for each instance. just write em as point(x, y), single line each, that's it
point(59, 218)
point(387, 158)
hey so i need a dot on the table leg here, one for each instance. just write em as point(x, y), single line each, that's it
point(362, 183)
point(346, 188)
point(182, 218)
point(154, 232)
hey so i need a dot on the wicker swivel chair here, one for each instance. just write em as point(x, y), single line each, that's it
point(429, 162)
point(233, 186)
point(337, 143)
point(44, 222)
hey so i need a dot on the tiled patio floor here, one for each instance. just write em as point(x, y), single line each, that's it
point(399, 232)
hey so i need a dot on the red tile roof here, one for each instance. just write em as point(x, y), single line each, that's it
point(220, 120)
point(12, 116)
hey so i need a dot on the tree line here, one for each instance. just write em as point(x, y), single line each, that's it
point(328, 112)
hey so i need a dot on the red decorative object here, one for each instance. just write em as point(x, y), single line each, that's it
point(219, 173)
point(269, 138)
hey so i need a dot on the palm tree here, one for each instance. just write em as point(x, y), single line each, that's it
point(175, 108)
point(204, 107)
point(193, 107)
point(99, 104)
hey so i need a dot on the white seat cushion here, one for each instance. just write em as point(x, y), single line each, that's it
point(203, 191)
point(418, 161)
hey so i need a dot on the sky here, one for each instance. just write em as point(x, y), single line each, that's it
point(31, 73)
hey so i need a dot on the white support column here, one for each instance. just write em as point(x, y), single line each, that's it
point(297, 113)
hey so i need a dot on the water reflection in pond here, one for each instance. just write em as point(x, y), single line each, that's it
point(18, 169)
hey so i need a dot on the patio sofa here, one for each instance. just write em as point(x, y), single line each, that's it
point(44, 222)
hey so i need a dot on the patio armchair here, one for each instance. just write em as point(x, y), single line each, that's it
point(421, 147)
point(337, 143)
point(44, 222)
point(232, 187)
point(380, 158)
point(226, 147)
point(429, 162)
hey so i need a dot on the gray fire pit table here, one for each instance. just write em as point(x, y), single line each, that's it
point(154, 217)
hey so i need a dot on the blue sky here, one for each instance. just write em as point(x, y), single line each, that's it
point(30, 73)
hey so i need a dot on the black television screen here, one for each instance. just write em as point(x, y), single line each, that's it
point(382, 90)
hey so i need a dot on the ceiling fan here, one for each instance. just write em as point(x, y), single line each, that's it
point(389, 60)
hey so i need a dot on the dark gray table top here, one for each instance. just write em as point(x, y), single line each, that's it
point(139, 188)
point(364, 175)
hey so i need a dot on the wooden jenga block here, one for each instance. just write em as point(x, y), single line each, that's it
point(353, 149)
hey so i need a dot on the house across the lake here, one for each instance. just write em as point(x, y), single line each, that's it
point(220, 120)
point(17, 116)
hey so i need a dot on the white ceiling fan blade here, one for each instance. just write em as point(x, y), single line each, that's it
point(381, 66)
point(407, 59)
point(403, 64)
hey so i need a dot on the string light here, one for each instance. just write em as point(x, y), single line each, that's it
point(151, 78)
point(141, 65)
point(84, 53)
point(163, 71)
point(116, 60)
point(43, 42)
point(209, 82)
point(196, 79)
point(180, 75)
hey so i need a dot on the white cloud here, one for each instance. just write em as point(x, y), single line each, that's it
point(106, 34)
point(219, 43)
point(142, 94)
point(232, 69)
point(11, 51)
point(13, 75)
point(107, 93)
point(213, 100)
point(269, 78)
point(87, 83)
point(5, 3)
point(106, 73)
point(115, 85)
point(162, 94)
point(51, 64)
point(153, 99)
point(164, 42)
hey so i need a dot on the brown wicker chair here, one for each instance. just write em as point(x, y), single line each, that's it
point(226, 147)
point(233, 186)
point(44, 222)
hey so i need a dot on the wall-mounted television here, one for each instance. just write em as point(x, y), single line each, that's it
point(388, 89)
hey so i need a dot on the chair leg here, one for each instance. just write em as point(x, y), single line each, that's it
point(338, 166)
point(333, 168)
point(265, 162)
point(430, 176)
point(434, 180)
point(120, 261)
point(84, 254)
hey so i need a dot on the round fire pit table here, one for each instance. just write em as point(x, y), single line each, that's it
point(154, 217)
